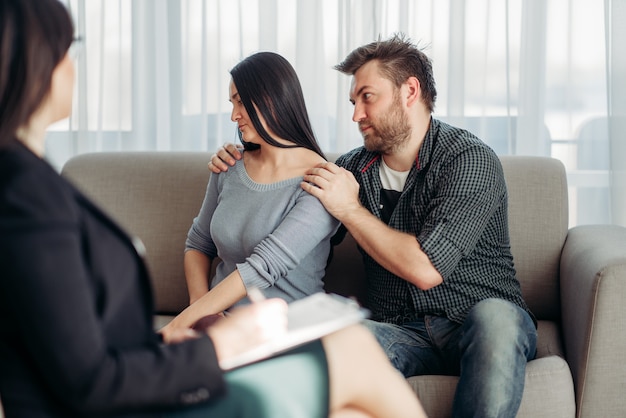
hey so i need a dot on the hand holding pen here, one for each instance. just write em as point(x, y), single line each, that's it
point(248, 326)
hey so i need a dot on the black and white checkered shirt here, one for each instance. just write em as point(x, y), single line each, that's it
point(455, 203)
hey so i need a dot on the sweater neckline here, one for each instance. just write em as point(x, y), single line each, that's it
point(251, 184)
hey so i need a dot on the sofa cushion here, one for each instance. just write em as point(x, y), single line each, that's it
point(548, 391)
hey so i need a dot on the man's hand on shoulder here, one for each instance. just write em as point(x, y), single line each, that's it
point(224, 158)
point(399, 252)
point(335, 187)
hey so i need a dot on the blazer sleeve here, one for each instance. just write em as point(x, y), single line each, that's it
point(72, 329)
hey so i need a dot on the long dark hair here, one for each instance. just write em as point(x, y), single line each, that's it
point(34, 37)
point(267, 80)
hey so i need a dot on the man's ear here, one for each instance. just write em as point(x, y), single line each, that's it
point(413, 91)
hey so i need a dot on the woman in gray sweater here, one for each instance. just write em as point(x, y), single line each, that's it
point(267, 232)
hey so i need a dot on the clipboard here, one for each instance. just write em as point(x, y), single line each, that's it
point(308, 319)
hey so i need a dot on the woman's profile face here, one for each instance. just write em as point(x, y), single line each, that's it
point(241, 117)
point(62, 89)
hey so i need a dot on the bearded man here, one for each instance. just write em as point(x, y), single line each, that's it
point(427, 205)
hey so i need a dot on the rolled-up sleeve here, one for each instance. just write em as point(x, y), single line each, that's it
point(470, 188)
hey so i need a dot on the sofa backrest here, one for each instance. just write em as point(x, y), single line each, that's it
point(538, 226)
point(156, 195)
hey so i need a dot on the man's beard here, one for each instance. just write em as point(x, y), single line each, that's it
point(390, 132)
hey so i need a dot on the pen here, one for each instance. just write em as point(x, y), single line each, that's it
point(255, 295)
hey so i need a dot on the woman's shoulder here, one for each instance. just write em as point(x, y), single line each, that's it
point(19, 167)
point(308, 159)
point(33, 188)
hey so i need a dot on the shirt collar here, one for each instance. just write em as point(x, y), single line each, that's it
point(425, 151)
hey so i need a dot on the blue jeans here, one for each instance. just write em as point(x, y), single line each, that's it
point(489, 352)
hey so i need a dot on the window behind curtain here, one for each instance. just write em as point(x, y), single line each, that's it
point(526, 77)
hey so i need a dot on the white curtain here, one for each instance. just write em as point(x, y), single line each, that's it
point(530, 77)
point(616, 88)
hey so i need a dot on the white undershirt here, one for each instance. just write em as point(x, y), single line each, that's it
point(392, 179)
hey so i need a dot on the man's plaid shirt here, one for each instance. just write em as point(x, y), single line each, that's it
point(455, 203)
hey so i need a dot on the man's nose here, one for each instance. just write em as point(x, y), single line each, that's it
point(358, 114)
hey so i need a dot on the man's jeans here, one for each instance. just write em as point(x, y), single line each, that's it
point(489, 352)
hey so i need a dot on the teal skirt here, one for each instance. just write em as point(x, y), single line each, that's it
point(291, 385)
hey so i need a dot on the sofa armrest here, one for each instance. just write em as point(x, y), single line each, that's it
point(593, 299)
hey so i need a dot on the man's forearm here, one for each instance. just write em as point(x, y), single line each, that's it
point(396, 251)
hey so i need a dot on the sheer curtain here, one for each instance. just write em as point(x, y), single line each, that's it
point(530, 77)
point(616, 88)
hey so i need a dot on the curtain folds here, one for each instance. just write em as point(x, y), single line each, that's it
point(530, 77)
point(616, 87)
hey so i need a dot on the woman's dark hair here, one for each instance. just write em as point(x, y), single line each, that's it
point(34, 37)
point(399, 59)
point(267, 80)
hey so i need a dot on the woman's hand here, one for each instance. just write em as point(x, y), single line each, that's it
point(178, 335)
point(248, 326)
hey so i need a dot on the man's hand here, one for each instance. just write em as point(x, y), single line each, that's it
point(335, 187)
point(225, 157)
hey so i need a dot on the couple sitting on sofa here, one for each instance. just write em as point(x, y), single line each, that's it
point(426, 202)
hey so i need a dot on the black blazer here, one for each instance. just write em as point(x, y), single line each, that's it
point(76, 308)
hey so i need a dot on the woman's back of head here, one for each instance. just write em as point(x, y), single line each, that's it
point(34, 37)
point(269, 82)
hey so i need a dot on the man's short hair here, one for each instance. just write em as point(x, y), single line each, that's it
point(398, 60)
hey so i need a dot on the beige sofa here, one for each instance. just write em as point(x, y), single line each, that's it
point(574, 280)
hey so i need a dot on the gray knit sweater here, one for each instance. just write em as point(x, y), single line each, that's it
point(277, 235)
